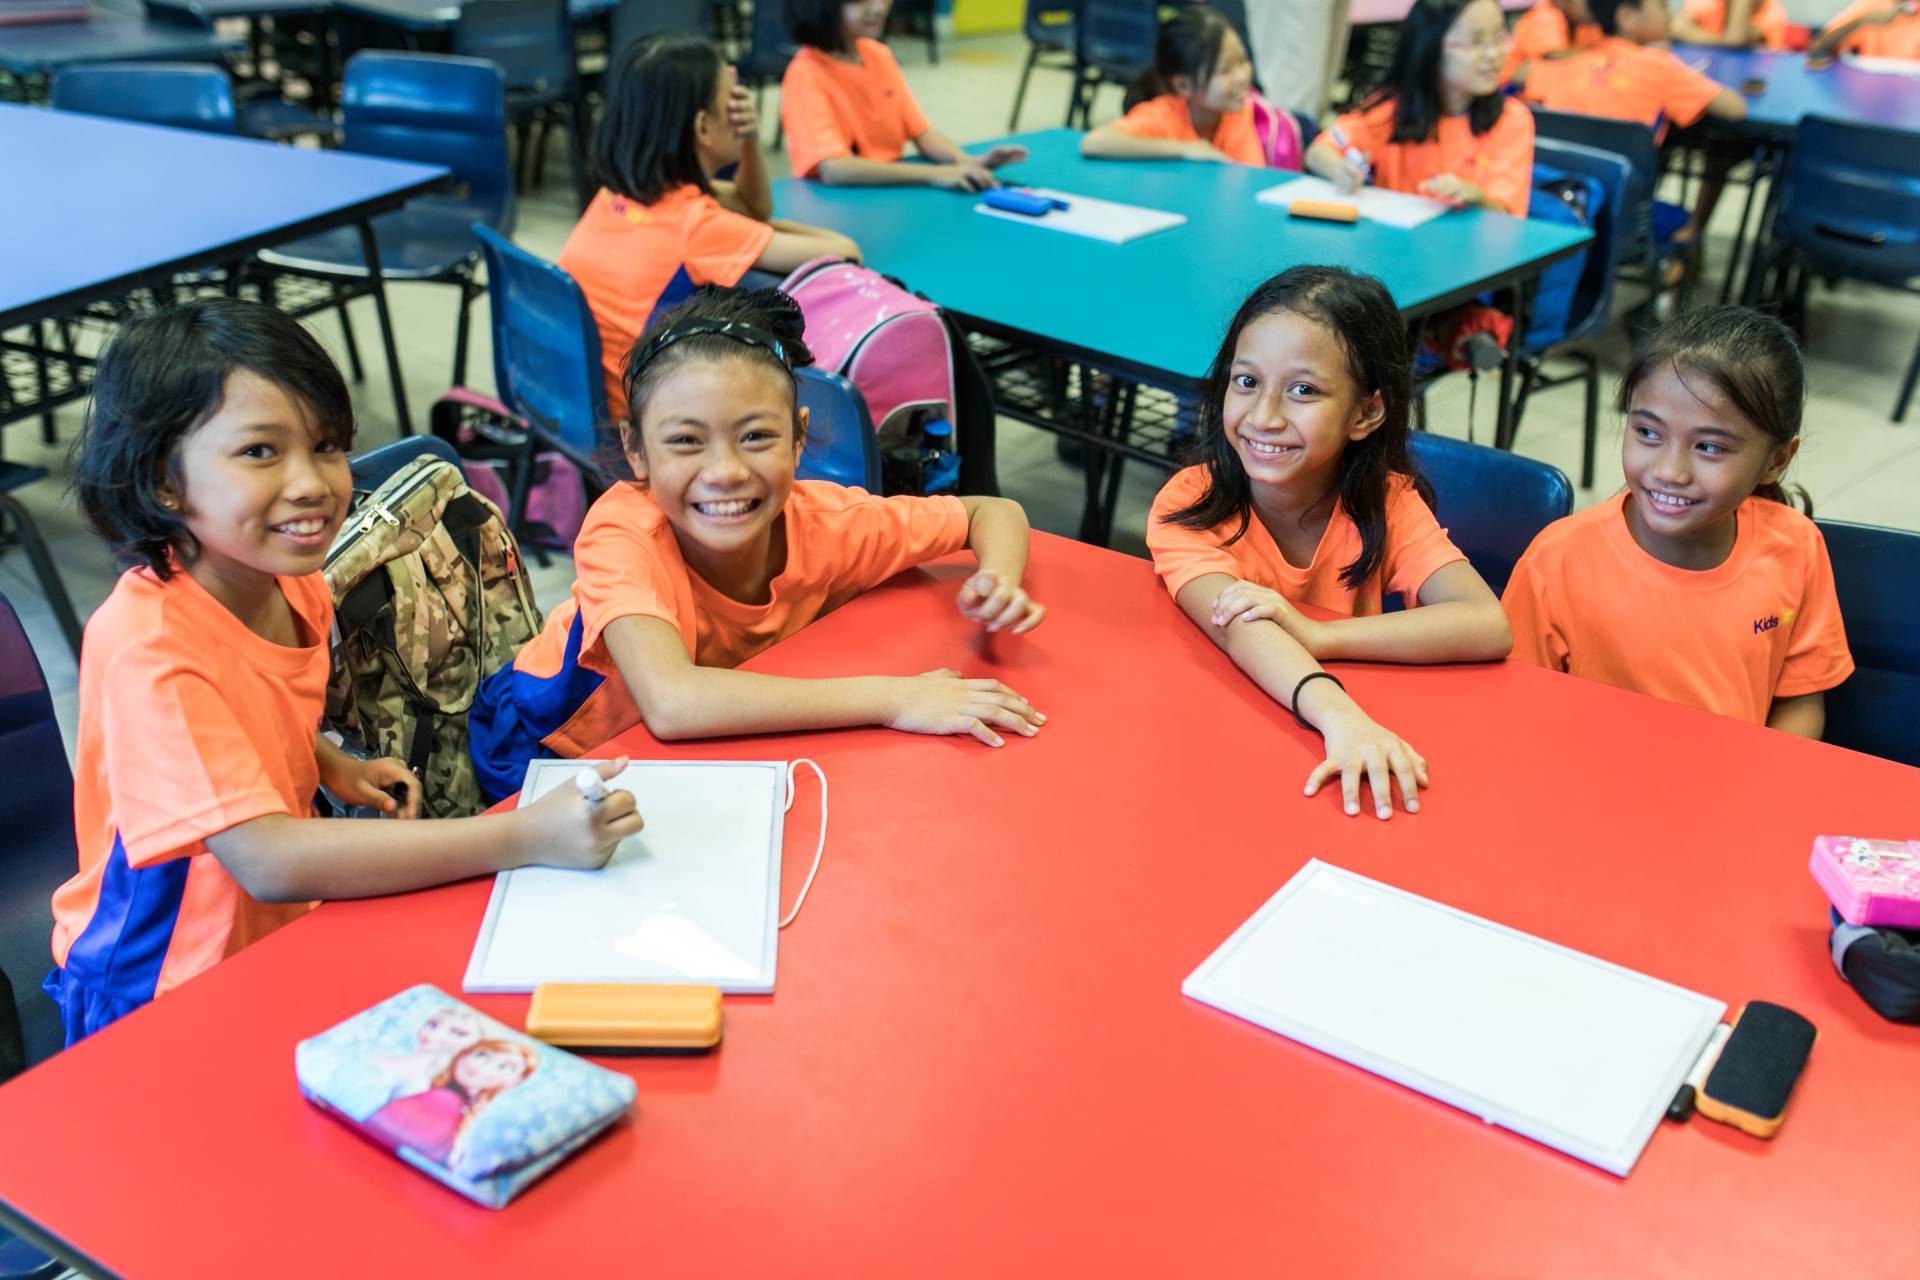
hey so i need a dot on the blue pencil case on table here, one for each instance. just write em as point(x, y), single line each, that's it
point(468, 1101)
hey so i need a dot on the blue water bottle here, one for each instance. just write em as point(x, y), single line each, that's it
point(939, 464)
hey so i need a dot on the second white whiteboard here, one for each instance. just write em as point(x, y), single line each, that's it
point(692, 898)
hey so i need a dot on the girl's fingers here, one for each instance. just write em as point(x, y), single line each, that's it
point(1409, 779)
point(1377, 779)
point(1321, 772)
point(1008, 718)
point(1350, 786)
point(979, 730)
point(1035, 613)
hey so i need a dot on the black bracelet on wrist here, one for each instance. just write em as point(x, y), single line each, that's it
point(1293, 704)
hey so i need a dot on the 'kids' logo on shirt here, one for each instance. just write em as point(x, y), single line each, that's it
point(1763, 625)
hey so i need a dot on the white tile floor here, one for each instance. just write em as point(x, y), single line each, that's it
point(1856, 463)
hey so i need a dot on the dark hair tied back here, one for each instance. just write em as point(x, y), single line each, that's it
point(1188, 45)
point(715, 324)
point(1412, 82)
point(645, 145)
point(1359, 312)
point(1750, 358)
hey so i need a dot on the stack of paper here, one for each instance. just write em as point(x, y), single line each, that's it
point(1095, 219)
point(1391, 208)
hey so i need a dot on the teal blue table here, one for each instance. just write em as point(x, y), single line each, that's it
point(1152, 311)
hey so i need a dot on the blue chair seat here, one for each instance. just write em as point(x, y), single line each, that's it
point(278, 120)
point(426, 240)
point(1492, 503)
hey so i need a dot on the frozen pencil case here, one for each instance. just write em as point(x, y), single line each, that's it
point(464, 1099)
point(1020, 200)
point(1870, 882)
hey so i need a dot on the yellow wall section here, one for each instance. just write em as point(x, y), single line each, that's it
point(975, 17)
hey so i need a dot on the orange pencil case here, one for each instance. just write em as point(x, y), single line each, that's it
point(1324, 210)
point(615, 1015)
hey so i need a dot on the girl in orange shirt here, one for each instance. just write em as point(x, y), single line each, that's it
point(715, 551)
point(663, 224)
point(214, 462)
point(1303, 493)
point(1700, 583)
point(1439, 125)
point(848, 112)
point(1197, 103)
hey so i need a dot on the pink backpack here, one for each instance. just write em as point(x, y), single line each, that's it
point(1279, 134)
point(488, 435)
point(889, 343)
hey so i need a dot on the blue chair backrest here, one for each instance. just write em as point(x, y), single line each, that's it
point(1878, 708)
point(185, 95)
point(1117, 34)
point(530, 40)
point(546, 350)
point(841, 443)
point(36, 812)
point(769, 46)
point(1050, 23)
point(1491, 502)
point(1628, 139)
point(376, 466)
point(433, 109)
point(1851, 200)
point(1592, 301)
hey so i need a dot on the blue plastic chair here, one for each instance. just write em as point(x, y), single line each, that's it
point(1878, 707)
point(378, 465)
point(546, 362)
point(841, 443)
point(36, 812)
point(1049, 30)
point(1113, 40)
point(1634, 143)
point(1850, 208)
point(16, 522)
point(531, 41)
point(433, 110)
point(1593, 298)
point(769, 49)
point(185, 95)
point(1492, 502)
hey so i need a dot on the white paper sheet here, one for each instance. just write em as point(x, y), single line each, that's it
point(1882, 66)
point(693, 898)
point(1390, 208)
point(1095, 219)
point(1568, 1050)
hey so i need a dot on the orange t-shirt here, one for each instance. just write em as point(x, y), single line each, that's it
point(1542, 30)
point(840, 543)
point(1621, 80)
point(190, 724)
point(1769, 20)
point(1499, 161)
point(633, 259)
point(831, 108)
point(1899, 38)
point(1764, 624)
point(1167, 117)
point(1416, 546)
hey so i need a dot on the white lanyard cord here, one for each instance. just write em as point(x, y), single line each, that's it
point(819, 849)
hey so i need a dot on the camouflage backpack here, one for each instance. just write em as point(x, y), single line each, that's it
point(430, 597)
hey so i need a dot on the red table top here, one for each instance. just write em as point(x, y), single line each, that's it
point(979, 1059)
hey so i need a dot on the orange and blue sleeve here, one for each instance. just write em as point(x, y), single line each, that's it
point(179, 765)
point(619, 574)
point(1817, 654)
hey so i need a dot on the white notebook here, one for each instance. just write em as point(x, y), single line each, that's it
point(1096, 219)
point(1568, 1050)
point(1390, 208)
point(694, 897)
point(1882, 66)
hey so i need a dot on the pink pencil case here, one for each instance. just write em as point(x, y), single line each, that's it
point(1870, 881)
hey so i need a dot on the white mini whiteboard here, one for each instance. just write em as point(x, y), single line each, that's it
point(695, 897)
point(1882, 66)
point(1570, 1051)
point(1376, 204)
point(1095, 219)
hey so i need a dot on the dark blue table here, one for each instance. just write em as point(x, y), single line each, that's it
point(1152, 311)
point(43, 48)
point(1791, 90)
point(440, 15)
point(116, 206)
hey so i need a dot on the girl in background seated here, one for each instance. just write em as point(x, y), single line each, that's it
point(715, 551)
point(1439, 125)
point(662, 225)
point(849, 114)
point(214, 463)
point(1700, 583)
point(1304, 495)
point(1197, 103)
